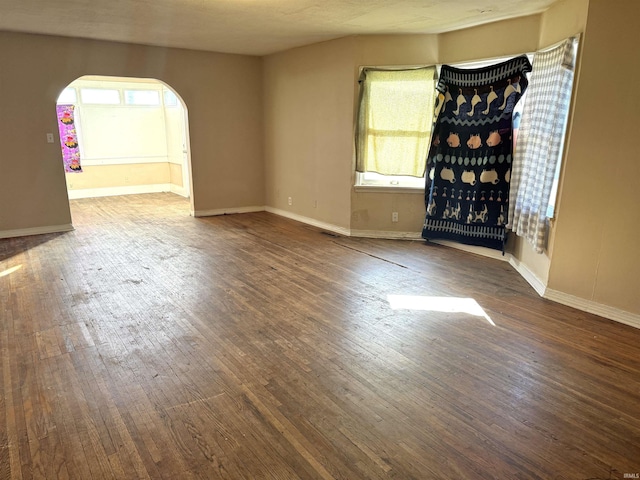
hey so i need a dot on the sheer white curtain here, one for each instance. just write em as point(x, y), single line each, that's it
point(540, 140)
point(394, 120)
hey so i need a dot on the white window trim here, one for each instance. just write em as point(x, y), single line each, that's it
point(379, 187)
point(121, 89)
point(388, 189)
point(81, 99)
point(361, 186)
point(382, 185)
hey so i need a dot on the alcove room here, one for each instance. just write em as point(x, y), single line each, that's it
point(215, 264)
point(126, 135)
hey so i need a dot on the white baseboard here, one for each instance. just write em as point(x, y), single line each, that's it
point(123, 190)
point(227, 211)
point(390, 235)
point(532, 279)
point(178, 190)
point(310, 221)
point(483, 251)
point(23, 232)
point(612, 313)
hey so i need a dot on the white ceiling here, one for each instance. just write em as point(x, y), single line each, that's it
point(254, 27)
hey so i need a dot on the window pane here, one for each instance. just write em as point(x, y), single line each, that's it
point(170, 99)
point(141, 97)
point(371, 178)
point(67, 96)
point(100, 96)
point(394, 121)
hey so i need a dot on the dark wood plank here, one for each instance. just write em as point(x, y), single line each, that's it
point(150, 344)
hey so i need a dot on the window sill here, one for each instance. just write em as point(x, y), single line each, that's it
point(385, 189)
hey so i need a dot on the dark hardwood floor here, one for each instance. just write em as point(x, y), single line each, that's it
point(150, 344)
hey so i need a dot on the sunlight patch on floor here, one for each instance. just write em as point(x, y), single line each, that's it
point(9, 271)
point(438, 304)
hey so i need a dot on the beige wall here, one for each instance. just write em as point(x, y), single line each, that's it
point(222, 92)
point(175, 174)
point(106, 176)
point(563, 19)
point(499, 39)
point(308, 122)
point(595, 253)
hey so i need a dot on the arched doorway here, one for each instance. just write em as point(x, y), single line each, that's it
point(123, 135)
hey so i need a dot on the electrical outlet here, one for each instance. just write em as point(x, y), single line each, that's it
point(290, 201)
point(49, 137)
point(394, 216)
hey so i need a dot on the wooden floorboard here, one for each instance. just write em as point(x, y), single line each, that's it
point(151, 344)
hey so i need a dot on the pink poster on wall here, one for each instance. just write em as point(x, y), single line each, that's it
point(68, 139)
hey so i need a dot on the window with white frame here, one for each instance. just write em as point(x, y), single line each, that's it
point(170, 99)
point(68, 96)
point(395, 114)
point(119, 122)
point(142, 97)
point(100, 96)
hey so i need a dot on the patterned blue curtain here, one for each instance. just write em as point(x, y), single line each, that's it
point(469, 163)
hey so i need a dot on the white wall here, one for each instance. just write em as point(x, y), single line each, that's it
point(177, 147)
